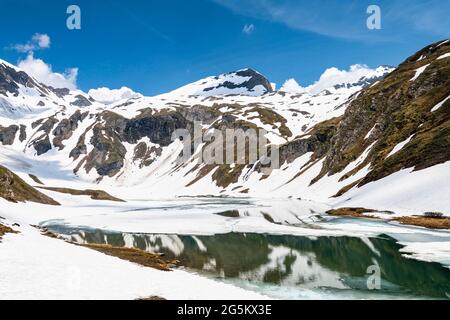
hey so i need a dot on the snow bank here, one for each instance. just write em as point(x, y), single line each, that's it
point(37, 267)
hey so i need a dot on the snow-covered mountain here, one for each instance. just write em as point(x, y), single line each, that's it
point(23, 97)
point(345, 140)
point(246, 82)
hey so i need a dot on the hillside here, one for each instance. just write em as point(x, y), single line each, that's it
point(14, 189)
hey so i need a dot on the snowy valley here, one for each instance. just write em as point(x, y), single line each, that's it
point(364, 161)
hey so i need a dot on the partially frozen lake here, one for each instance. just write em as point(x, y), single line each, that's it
point(284, 249)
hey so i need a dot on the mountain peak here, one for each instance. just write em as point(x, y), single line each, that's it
point(247, 82)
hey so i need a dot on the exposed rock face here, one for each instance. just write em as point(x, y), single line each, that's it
point(145, 155)
point(8, 134)
point(14, 189)
point(158, 128)
point(60, 92)
point(42, 143)
point(66, 127)
point(81, 101)
point(107, 156)
point(23, 133)
point(318, 141)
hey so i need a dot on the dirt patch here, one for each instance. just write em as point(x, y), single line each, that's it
point(427, 222)
point(4, 230)
point(144, 258)
point(94, 194)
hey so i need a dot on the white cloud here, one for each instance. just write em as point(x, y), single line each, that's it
point(332, 77)
point(292, 86)
point(248, 29)
point(43, 73)
point(42, 40)
point(109, 96)
point(38, 41)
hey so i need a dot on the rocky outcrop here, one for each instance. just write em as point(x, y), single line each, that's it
point(157, 127)
point(317, 141)
point(145, 155)
point(66, 127)
point(8, 134)
point(81, 101)
point(42, 143)
point(23, 133)
point(60, 92)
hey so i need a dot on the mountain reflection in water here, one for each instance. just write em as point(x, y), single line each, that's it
point(336, 263)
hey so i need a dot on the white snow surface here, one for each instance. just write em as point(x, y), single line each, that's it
point(440, 104)
point(419, 71)
point(400, 146)
point(37, 267)
point(445, 55)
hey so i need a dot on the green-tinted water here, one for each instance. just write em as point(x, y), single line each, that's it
point(285, 266)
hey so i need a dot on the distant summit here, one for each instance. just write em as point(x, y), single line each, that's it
point(247, 82)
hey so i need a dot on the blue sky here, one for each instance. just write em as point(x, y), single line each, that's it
point(156, 46)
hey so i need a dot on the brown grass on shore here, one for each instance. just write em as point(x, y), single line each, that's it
point(138, 256)
point(152, 298)
point(427, 222)
point(430, 220)
point(352, 212)
point(94, 194)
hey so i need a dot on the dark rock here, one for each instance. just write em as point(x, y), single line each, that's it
point(81, 101)
point(43, 145)
point(60, 92)
point(8, 134)
point(255, 80)
point(66, 127)
point(23, 133)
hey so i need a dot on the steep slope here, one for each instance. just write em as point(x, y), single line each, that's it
point(399, 119)
point(14, 189)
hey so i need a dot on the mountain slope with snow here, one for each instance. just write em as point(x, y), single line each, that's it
point(336, 138)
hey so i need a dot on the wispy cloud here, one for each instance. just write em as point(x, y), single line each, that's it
point(347, 19)
point(248, 29)
point(38, 42)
